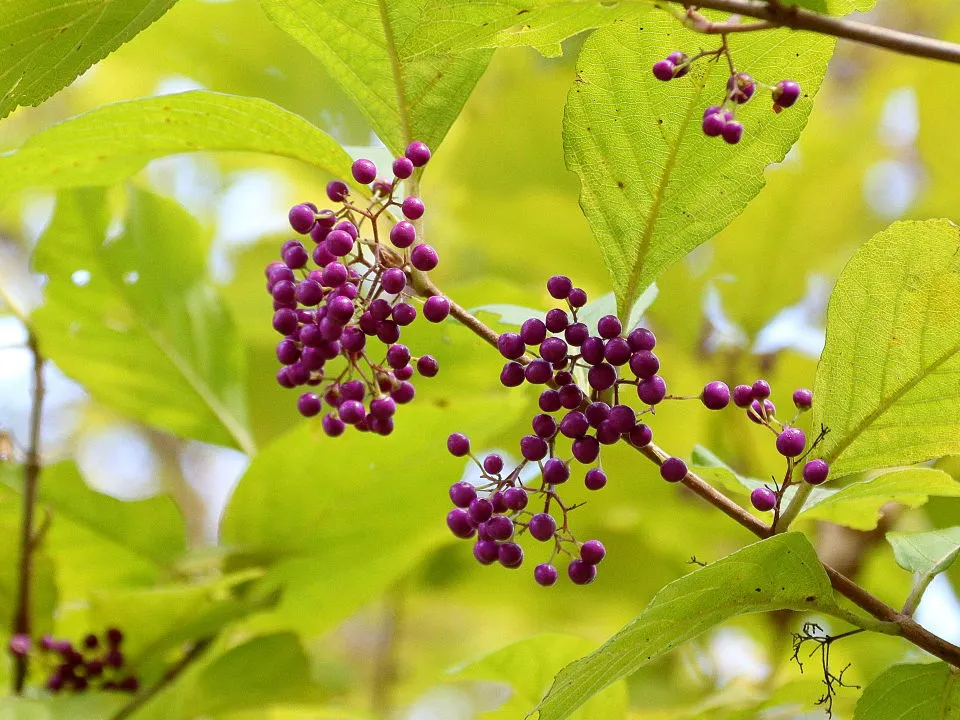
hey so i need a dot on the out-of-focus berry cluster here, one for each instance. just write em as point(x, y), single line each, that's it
point(96, 663)
point(331, 301)
point(589, 381)
point(721, 120)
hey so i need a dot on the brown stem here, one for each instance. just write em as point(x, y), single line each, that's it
point(795, 18)
point(909, 629)
point(172, 673)
point(28, 538)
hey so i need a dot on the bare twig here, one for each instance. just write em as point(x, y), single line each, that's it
point(28, 538)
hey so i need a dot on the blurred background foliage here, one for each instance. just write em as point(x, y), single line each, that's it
point(334, 585)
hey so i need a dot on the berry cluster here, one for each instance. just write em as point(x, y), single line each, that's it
point(583, 409)
point(96, 663)
point(358, 288)
point(720, 120)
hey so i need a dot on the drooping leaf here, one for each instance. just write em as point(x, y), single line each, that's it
point(653, 186)
point(886, 384)
point(528, 666)
point(135, 321)
point(114, 141)
point(856, 505)
point(359, 508)
point(781, 572)
point(919, 692)
point(386, 61)
point(45, 46)
point(928, 553)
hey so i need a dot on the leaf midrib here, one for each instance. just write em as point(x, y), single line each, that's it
point(396, 70)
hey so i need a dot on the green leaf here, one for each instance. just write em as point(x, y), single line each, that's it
point(886, 384)
point(114, 141)
point(856, 505)
point(919, 692)
point(140, 327)
point(44, 46)
point(63, 707)
point(928, 553)
point(358, 508)
point(653, 186)
point(528, 666)
point(262, 672)
point(383, 57)
point(781, 572)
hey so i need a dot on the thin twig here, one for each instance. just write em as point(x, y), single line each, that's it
point(796, 18)
point(28, 539)
point(172, 673)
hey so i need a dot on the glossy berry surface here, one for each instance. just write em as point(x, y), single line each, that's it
point(715, 395)
point(763, 499)
point(458, 444)
point(791, 441)
point(673, 469)
point(803, 398)
point(816, 471)
point(663, 70)
point(785, 93)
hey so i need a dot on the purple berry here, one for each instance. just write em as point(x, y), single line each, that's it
point(404, 393)
point(404, 314)
point(763, 499)
point(585, 449)
point(500, 527)
point(337, 190)
point(595, 479)
point(288, 352)
point(622, 418)
point(339, 242)
point(816, 471)
point(760, 390)
point(576, 333)
point(412, 208)
point(715, 395)
point(393, 280)
point(285, 321)
point(740, 88)
point(486, 551)
point(679, 59)
point(436, 308)
point(803, 398)
point(609, 327)
point(424, 258)
point(417, 153)
point(555, 471)
point(642, 339)
point(302, 218)
point(20, 644)
point(545, 574)
point(577, 298)
point(480, 510)
point(663, 70)
point(791, 441)
point(571, 397)
point(760, 415)
point(597, 412)
point(592, 552)
point(556, 320)
point(309, 404)
point(512, 374)
point(428, 366)
point(673, 469)
point(581, 573)
point(602, 377)
point(351, 411)
point(402, 168)
point(462, 494)
point(592, 350)
point(511, 555)
point(742, 395)
point(403, 234)
point(641, 435)
point(559, 286)
point(458, 520)
point(458, 444)
point(786, 93)
point(295, 256)
point(510, 345)
point(553, 350)
point(732, 132)
point(404, 373)
point(644, 364)
point(533, 331)
point(533, 448)
point(493, 463)
point(652, 390)
point(538, 372)
point(607, 434)
point(617, 351)
point(383, 408)
point(515, 499)
point(713, 124)
point(542, 527)
point(364, 171)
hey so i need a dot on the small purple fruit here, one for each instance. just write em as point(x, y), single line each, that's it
point(559, 286)
point(595, 479)
point(364, 171)
point(785, 93)
point(715, 395)
point(462, 494)
point(592, 552)
point(663, 70)
point(582, 573)
point(418, 153)
point(732, 132)
point(803, 398)
point(816, 471)
point(742, 395)
point(545, 574)
point(458, 444)
point(763, 499)
point(791, 441)
point(542, 527)
point(673, 469)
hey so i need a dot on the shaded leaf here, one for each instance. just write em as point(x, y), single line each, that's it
point(887, 380)
point(653, 186)
point(114, 141)
point(928, 553)
point(781, 572)
point(135, 321)
point(44, 46)
point(919, 692)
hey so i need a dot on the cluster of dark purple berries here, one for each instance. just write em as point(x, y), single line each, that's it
point(358, 289)
point(96, 663)
point(720, 120)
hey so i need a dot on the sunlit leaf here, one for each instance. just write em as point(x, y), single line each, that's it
point(919, 692)
point(929, 553)
point(887, 381)
point(653, 186)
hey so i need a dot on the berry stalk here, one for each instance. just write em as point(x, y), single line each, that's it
point(29, 538)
